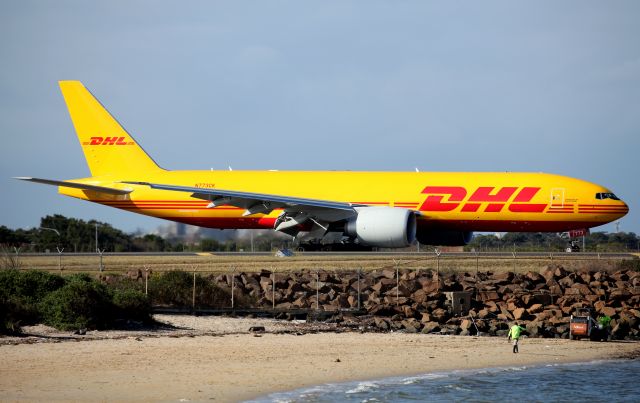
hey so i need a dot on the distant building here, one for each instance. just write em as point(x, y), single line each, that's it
point(181, 230)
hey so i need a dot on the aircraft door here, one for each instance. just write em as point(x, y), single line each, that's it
point(557, 197)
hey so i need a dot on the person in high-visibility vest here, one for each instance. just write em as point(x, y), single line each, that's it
point(514, 334)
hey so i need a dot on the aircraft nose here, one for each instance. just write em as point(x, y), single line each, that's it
point(624, 210)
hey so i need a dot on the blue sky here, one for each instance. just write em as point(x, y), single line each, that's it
point(360, 85)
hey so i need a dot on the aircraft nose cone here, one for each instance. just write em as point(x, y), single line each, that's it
point(625, 209)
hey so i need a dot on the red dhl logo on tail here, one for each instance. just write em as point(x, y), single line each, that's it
point(108, 141)
point(496, 198)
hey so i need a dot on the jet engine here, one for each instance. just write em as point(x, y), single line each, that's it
point(384, 227)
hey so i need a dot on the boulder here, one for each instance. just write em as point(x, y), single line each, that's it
point(407, 288)
point(504, 317)
point(548, 273)
point(566, 282)
point(389, 273)
point(534, 328)
point(519, 314)
point(419, 296)
point(430, 327)
point(620, 330)
point(381, 323)
point(483, 313)
point(411, 325)
point(485, 296)
point(440, 315)
point(407, 311)
point(503, 278)
point(392, 300)
point(535, 308)
point(560, 272)
point(300, 302)
point(491, 306)
point(534, 277)
point(608, 311)
point(383, 285)
point(426, 317)
point(285, 306)
point(249, 282)
point(619, 294)
point(363, 284)
point(586, 277)
point(265, 284)
point(352, 300)
point(629, 318)
point(430, 286)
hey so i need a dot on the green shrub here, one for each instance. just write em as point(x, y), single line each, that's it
point(12, 314)
point(73, 302)
point(79, 304)
point(123, 283)
point(79, 277)
point(20, 294)
point(31, 284)
point(175, 288)
point(132, 304)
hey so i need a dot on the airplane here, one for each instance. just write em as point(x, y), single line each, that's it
point(377, 209)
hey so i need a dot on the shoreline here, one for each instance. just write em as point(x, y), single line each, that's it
point(236, 366)
point(395, 380)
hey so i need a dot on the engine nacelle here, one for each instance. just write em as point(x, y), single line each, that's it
point(444, 238)
point(384, 227)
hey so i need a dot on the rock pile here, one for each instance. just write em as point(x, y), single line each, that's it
point(416, 300)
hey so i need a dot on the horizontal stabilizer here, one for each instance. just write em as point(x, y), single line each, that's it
point(83, 186)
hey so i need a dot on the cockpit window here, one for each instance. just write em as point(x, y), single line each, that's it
point(603, 196)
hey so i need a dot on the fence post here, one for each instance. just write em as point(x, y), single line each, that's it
point(437, 252)
point(397, 284)
point(100, 252)
point(317, 290)
point(146, 280)
point(514, 261)
point(475, 252)
point(17, 250)
point(193, 296)
point(359, 272)
point(233, 286)
point(60, 259)
point(273, 293)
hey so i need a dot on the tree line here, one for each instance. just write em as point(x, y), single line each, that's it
point(541, 241)
point(76, 235)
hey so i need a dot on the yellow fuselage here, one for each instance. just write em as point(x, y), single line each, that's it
point(466, 201)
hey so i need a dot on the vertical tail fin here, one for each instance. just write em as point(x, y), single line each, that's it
point(107, 147)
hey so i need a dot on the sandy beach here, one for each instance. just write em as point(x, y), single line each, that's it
point(214, 358)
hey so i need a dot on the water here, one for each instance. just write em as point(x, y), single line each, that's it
point(599, 381)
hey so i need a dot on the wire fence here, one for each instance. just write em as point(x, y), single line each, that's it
point(513, 261)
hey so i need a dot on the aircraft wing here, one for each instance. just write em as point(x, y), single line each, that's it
point(296, 210)
point(76, 185)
